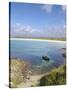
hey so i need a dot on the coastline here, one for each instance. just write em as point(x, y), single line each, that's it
point(56, 41)
point(34, 80)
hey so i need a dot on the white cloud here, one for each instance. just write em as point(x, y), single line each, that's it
point(28, 31)
point(26, 28)
point(63, 8)
point(47, 8)
point(18, 24)
point(23, 29)
point(64, 26)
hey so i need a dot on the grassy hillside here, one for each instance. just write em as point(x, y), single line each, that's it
point(55, 77)
point(21, 75)
point(19, 69)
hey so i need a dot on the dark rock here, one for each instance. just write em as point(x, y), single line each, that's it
point(64, 48)
point(64, 55)
point(45, 58)
point(63, 52)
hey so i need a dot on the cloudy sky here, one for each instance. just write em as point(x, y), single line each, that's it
point(37, 20)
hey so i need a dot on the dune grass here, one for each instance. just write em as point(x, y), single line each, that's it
point(18, 72)
point(55, 77)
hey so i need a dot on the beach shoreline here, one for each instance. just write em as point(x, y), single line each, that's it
point(34, 80)
point(56, 41)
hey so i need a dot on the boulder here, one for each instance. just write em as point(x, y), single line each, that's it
point(45, 58)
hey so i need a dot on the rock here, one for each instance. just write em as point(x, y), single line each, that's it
point(64, 55)
point(64, 48)
point(45, 58)
point(64, 52)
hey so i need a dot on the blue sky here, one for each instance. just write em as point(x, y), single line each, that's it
point(37, 20)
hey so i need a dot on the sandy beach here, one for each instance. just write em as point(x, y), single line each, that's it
point(56, 41)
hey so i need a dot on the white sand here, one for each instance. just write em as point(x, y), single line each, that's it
point(34, 80)
point(57, 41)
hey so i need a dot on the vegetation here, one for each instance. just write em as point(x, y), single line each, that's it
point(55, 77)
point(43, 38)
point(18, 72)
point(60, 39)
point(21, 74)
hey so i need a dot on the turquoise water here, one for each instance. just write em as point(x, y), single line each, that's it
point(33, 51)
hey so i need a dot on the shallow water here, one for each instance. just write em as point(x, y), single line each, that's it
point(33, 51)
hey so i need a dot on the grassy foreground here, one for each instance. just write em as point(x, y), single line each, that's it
point(55, 77)
point(20, 75)
point(19, 69)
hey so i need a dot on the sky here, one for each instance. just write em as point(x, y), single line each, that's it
point(37, 20)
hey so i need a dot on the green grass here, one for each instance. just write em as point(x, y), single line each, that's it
point(60, 39)
point(20, 68)
point(55, 77)
point(16, 80)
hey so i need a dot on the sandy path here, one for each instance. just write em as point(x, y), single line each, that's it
point(33, 81)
